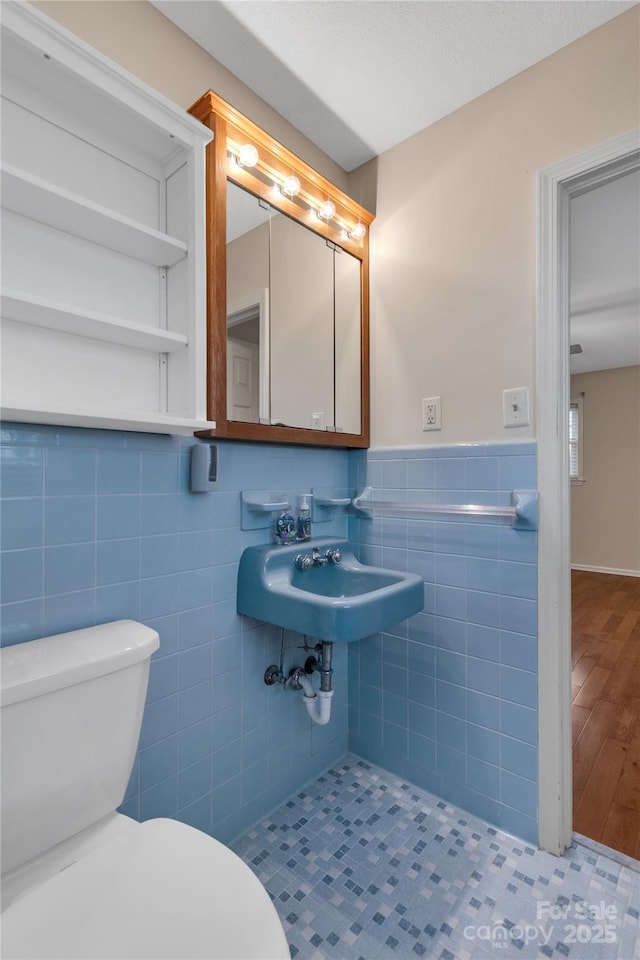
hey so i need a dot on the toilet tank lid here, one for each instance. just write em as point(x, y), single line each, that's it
point(37, 667)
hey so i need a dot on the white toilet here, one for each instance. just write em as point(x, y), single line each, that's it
point(80, 880)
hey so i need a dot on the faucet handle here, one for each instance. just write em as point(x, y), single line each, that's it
point(303, 561)
point(334, 556)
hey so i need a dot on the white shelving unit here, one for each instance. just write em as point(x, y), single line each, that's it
point(103, 265)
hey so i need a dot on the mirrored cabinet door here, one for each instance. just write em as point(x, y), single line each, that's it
point(293, 322)
point(248, 252)
point(347, 339)
point(302, 347)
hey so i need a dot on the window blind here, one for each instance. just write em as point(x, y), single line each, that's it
point(575, 440)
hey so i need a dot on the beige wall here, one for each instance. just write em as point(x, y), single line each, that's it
point(453, 248)
point(141, 39)
point(605, 509)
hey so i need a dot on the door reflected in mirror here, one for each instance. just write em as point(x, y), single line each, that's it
point(293, 322)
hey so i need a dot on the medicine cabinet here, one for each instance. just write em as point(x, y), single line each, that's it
point(288, 292)
point(103, 301)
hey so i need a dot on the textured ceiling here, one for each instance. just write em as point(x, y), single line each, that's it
point(358, 76)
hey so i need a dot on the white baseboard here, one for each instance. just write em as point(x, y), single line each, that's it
point(618, 573)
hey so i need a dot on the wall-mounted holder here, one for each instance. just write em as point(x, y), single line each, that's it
point(523, 509)
point(260, 507)
point(329, 502)
point(203, 468)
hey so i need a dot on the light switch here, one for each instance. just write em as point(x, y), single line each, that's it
point(515, 406)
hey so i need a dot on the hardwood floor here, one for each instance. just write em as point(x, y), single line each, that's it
point(606, 708)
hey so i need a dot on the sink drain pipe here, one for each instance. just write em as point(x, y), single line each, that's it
point(318, 704)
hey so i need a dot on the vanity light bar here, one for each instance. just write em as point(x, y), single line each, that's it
point(291, 186)
point(246, 156)
point(326, 211)
point(357, 232)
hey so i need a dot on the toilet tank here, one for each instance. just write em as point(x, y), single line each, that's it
point(71, 712)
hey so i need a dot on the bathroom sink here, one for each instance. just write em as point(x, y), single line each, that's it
point(341, 601)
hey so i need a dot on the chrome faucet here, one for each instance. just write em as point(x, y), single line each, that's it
point(304, 561)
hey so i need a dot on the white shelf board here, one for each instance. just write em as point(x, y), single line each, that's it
point(88, 323)
point(100, 419)
point(39, 200)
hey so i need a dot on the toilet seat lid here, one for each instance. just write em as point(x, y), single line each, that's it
point(162, 890)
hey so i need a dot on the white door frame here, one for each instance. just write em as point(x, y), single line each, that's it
point(556, 186)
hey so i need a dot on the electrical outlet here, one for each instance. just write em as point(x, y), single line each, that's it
point(317, 420)
point(431, 413)
point(515, 406)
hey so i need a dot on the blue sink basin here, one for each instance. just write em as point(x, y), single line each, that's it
point(337, 602)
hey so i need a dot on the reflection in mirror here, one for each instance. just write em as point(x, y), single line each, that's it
point(348, 355)
point(302, 326)
point(248, 338)
point(293, 322)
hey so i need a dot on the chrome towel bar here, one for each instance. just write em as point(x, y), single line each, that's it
point(523, 509)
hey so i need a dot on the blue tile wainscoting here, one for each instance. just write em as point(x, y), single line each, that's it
point(99, 525)
point(448, 699)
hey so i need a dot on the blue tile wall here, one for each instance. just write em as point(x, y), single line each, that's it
point(98, 526)
point(448, 699)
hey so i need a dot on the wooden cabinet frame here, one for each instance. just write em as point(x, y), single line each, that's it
point(230, 131)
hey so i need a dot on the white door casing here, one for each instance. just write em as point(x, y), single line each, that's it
point(556, 186)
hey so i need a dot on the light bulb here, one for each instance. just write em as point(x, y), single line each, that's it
point(291, 187)
point(357, 231)
point(327, 210)
point(247, 155)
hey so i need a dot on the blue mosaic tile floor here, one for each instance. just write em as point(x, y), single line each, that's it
point(362, 865)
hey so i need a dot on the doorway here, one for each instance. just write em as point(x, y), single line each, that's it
point(557, 186)
point(604, 454)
